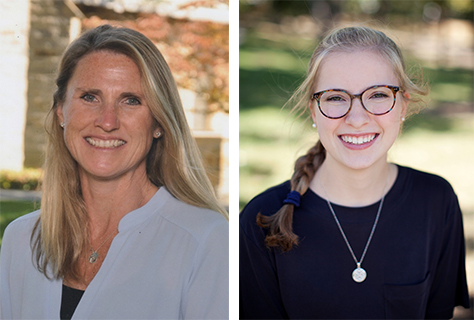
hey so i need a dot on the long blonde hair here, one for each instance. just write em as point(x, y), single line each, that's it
point(174, 161)
point(347, 39)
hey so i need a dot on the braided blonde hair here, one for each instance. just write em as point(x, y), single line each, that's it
point(281, 223)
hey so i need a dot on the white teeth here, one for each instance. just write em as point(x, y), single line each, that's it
point(358, 140)
point(105, 143)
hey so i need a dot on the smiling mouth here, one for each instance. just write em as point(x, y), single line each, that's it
point(107, 144)
point(358, 140)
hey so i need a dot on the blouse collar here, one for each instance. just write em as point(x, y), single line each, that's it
point(140, 215)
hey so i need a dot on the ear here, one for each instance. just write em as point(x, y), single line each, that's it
point(157, 131)
point(59, 113)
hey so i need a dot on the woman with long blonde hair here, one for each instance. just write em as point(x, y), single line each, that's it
point(351, 235)
point(129, 225)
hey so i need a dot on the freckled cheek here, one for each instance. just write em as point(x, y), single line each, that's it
point(146, 139)
point(72, 136)
point(72, 132)
point(77, 122)
point(145, 135)
point(77, 117)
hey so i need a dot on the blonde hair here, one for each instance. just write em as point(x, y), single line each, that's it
point(347, 39)
point(173, 161)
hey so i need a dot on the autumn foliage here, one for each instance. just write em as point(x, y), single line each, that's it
point(196, 51)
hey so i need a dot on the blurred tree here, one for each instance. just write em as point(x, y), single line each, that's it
point(196, 51)
point(384, 10)
point(461, 8)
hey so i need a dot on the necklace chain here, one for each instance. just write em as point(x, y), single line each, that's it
point(344, 235)
point(359, 274)
point(94, 253)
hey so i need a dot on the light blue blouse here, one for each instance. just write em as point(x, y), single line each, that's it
point(168, 261)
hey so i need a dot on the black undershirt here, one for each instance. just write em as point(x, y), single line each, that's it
point(70, 300)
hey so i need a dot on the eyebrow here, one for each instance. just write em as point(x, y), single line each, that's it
point(135, 94)
point(347, 91)
point(99, 92)
point(94, 91)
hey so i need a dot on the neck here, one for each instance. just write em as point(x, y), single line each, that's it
point(353, 187)
point(108, 201)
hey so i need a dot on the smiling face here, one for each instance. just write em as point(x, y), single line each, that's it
point(108, 125)
point(360, 139)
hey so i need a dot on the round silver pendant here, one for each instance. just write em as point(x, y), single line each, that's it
point(359, 274)
point(93, 257)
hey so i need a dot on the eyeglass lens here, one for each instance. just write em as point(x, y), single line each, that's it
point(336, 103)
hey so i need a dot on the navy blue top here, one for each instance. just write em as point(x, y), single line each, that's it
point(415, 262)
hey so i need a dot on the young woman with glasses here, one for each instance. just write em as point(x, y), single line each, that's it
point(352, 235)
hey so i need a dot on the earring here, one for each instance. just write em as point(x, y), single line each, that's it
point(157, 134)
point(63, 124)
point(314, 125)
point(403, 119)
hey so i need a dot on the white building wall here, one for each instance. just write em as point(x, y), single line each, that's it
point(14, 33)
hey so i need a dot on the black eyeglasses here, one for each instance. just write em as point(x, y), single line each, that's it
point(376, 100)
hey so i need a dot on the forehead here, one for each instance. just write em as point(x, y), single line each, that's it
point(354, 71)
point(106, 67)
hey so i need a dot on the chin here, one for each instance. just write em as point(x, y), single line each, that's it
point(360, 164)
point(103, 172)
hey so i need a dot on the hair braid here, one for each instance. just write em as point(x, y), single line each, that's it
point(280, 224)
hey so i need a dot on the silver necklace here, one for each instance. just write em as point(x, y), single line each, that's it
point(94, 253)
point(358, 274)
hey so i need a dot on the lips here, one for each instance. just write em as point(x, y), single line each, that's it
point(106, 144)
point(358, 140)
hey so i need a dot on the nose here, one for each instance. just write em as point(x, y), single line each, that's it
point(107, 118)
point(357, 116)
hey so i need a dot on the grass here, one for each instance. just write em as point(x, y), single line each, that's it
point(10, 210)
point(450, 84)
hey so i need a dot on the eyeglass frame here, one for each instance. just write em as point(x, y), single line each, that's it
point(317, 96)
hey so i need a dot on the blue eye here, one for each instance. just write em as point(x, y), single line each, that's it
point(88, 97)
point(133, 101)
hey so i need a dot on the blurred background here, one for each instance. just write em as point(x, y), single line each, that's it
point(277, 39)
point(193, 36)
